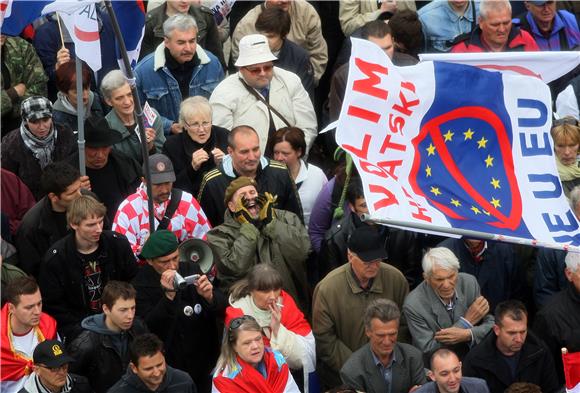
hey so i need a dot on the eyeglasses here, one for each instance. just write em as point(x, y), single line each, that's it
point(237, 322)
point(566, 120)
point(259, 70)
point(63, 367)
point(197, 126)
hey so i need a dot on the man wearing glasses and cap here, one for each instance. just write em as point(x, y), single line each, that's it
point(341, 298)
point(262, 96)
point(51, 371)
point(553, 30)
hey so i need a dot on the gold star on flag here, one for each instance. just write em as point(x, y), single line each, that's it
point(495, 183)
point(448, 136)
point(455, 202)
point(428, 171)
point(468, 134)
point(495, 202)
point(475, 210)
point(430, 150)
point(481, 143)
point(435, 191)
point(488, 161)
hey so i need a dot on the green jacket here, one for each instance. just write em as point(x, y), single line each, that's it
point(23, 66)
point(283, 243)
point(130, 145)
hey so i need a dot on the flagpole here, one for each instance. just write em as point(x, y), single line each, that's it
point(138, 111)
point(80, 116)
point(470, 234)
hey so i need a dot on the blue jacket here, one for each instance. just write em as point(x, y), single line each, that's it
point(156, 84)
point(565, 34)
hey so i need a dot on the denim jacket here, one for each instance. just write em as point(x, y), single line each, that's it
point(156, 84)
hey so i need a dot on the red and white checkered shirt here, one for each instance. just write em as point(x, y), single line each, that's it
point(132, 219)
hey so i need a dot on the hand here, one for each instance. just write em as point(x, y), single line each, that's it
point(389, 6)
point(276, 313)
point(266, 202)
point(218, 155)
point(166, 281)
point(198, 157)
point(62, 56)
point(20, 89)
point(478, 309)
point(241, 214)
point(85, 183)
point(150, 138)
point(176, 128)
point(204, 288)
point(453, 335)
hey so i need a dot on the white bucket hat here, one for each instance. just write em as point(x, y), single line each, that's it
point(254, 49)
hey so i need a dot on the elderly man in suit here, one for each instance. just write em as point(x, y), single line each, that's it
point(446, 309)
point(383, 365)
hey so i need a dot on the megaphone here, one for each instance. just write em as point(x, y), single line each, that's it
point(197, 251)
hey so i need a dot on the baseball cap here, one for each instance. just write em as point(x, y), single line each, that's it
point(538, 3)
point(254, 49)
point(161, 169)
point(367, 243)
point(51, 353)
point(35, 108)
point(236, 184)
point(159, 244)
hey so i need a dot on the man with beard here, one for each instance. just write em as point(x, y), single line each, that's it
point(255, 232)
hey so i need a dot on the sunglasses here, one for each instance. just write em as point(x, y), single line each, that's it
point(237, 322)
point(259, 70)
point(567, 120)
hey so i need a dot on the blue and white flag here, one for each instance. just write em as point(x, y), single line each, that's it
point(131, 17)
point(454, 146)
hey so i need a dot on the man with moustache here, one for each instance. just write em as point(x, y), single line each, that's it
point(174, 209)
point(76, 268)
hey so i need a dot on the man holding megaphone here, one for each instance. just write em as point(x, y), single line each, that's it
point(180, 305)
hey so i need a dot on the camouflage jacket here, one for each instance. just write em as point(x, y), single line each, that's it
point(23, 66)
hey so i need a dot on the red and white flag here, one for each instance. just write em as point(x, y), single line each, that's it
point(571, 363)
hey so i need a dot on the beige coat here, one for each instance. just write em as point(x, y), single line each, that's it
point(305, 31)
point(233, 105)
point(356, 13)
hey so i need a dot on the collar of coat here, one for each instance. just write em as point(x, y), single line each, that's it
point(159, 57)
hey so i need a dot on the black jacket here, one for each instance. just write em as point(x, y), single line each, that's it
point(179, 148)
point(191, 342)
point(79, 385)
point(175, 381)
point(558, 323)
point(96, 355)
point(499, 274)
point(37, 232)
point(272, 177)
point(402, 249)
point(61, 278)
point(535, 365)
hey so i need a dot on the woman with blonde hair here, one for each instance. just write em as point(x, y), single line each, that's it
point(566, 135)
point(246, 365)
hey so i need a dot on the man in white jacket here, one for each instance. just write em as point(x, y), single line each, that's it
point(262, 96)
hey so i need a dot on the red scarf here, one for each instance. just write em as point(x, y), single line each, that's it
point(250, 380)
point(14, 365)
point(292, 318)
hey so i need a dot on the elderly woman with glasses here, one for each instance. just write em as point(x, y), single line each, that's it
point(199, 148)
point(566, 135)
point(247, 365)
point(283, 325)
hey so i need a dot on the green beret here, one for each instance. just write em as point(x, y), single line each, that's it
point(159, 244)
point(236, 184)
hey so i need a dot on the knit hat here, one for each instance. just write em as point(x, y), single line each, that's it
point(159, 244)
point(236, 184)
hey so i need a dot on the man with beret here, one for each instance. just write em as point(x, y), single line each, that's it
point(51, 371)
point(255, 232)
point(342, 297)
point(184, 318)
point(112, 175)
point(174, 209)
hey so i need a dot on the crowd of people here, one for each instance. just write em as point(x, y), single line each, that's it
point(258, 272)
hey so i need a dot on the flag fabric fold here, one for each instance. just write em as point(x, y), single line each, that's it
point(571, 363)
point(448, 145)
point(131, 17)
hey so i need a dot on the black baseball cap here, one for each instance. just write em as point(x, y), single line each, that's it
point(367, 243)
point(51, 353)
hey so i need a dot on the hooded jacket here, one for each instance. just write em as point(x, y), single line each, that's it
point(65, 113)
point(101, 354)
point(175, 381)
